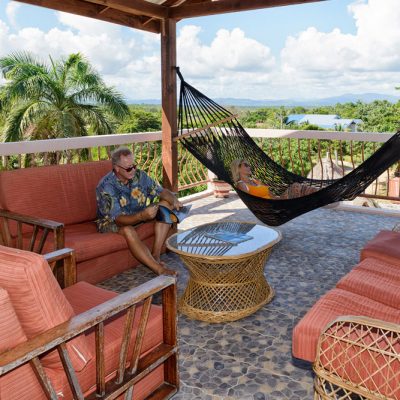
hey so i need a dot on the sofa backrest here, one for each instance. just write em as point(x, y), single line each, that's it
point(63, 193)
point(39, 302)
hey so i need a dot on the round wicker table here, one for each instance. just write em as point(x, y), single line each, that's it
point(226, 263)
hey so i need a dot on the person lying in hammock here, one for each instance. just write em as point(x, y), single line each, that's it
point(242, 177)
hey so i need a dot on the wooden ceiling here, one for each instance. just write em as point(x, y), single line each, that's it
point(148, 14)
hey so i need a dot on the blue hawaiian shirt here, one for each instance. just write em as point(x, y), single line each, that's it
point(115, 199)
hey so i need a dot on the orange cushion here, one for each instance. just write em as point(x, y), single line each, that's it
point(374, 279)
point(11, 334)
point(335, 303)
point(84, 296)
point(384, 246)
point(88, 243)
point(63, 193)
point(38, 301)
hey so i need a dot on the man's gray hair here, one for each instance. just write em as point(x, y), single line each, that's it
point(117, 153)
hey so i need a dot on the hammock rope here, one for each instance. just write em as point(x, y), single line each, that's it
point(215, 137)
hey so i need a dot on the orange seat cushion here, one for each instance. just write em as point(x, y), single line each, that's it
point(374, 279)
point(39, 301)
point(384, 246)
point(335, 303)
point(83, 297)
point(88, 243)
point(11, 334)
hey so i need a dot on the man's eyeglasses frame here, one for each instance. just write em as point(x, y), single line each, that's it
point(129, 169)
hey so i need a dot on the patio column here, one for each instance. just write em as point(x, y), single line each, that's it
point(168, 102)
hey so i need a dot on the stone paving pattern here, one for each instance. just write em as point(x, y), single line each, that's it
point(251, 358)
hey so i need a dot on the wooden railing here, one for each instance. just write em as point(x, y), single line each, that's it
point(318, 154)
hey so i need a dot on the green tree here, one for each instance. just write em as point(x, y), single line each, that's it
point(141, 120)
point(63, 99)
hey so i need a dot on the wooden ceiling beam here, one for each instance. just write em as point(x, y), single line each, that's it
point(138, 7)
point(190, 10)
point(168, 3)
point(99, 12)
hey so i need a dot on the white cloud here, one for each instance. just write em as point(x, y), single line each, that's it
point(311, 64)
point(11, 12)
point(88, 26)
point(230, 60)
point(132, 64)
point(228, 52)
point(335, 62)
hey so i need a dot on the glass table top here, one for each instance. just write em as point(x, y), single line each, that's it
point(228, 238)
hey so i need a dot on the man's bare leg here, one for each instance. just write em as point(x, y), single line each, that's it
point(160, 234)
point(140, 251)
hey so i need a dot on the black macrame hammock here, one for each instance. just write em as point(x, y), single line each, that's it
point(215, 137)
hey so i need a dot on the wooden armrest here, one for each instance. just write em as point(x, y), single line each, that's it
point(41, 229)
point(95, 318)
point(358, 355)
point(63, 264)
point(28, 219)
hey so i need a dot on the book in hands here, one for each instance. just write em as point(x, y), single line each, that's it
point(164, 214)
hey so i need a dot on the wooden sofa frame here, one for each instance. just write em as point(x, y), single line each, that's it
point(66, 275)
point(41, 229)
point(132, 368)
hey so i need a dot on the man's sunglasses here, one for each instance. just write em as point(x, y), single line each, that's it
point(129, 169)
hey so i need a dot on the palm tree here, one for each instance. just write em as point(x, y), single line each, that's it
point(63, 99)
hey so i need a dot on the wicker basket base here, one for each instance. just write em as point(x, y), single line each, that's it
point(222, 316)
point(225, 289)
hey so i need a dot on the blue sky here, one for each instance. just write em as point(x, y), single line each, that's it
point(272, 26)
point(305, 51)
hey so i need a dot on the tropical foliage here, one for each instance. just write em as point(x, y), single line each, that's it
point(64, 98)
point(141, 119)
point(378, 116)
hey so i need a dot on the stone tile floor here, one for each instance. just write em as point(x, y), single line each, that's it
point(251, 358)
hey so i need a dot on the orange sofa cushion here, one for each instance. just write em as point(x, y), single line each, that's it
point(374, 279)
point(39, 301)
point(384, 246)
point(84, 296)
point(63, 193)
point(335, 303)
point(21, 383)
point(88, 243)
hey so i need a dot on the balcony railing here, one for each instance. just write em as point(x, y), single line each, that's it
point(317, 154)
point(328, 155)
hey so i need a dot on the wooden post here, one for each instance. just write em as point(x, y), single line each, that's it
point(169, 117)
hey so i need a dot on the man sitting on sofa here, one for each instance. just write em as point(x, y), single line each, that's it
point(122, 202)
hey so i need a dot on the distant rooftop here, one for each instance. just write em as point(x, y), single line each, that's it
point(326, 121)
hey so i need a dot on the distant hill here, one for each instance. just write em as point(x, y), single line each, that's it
point(145, 102)
point(329, 101)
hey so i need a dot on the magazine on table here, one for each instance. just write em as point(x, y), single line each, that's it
point(229, 237)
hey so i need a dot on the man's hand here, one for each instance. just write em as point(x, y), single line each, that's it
point(170, 198)
point(177, 204)
point(149, 212)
